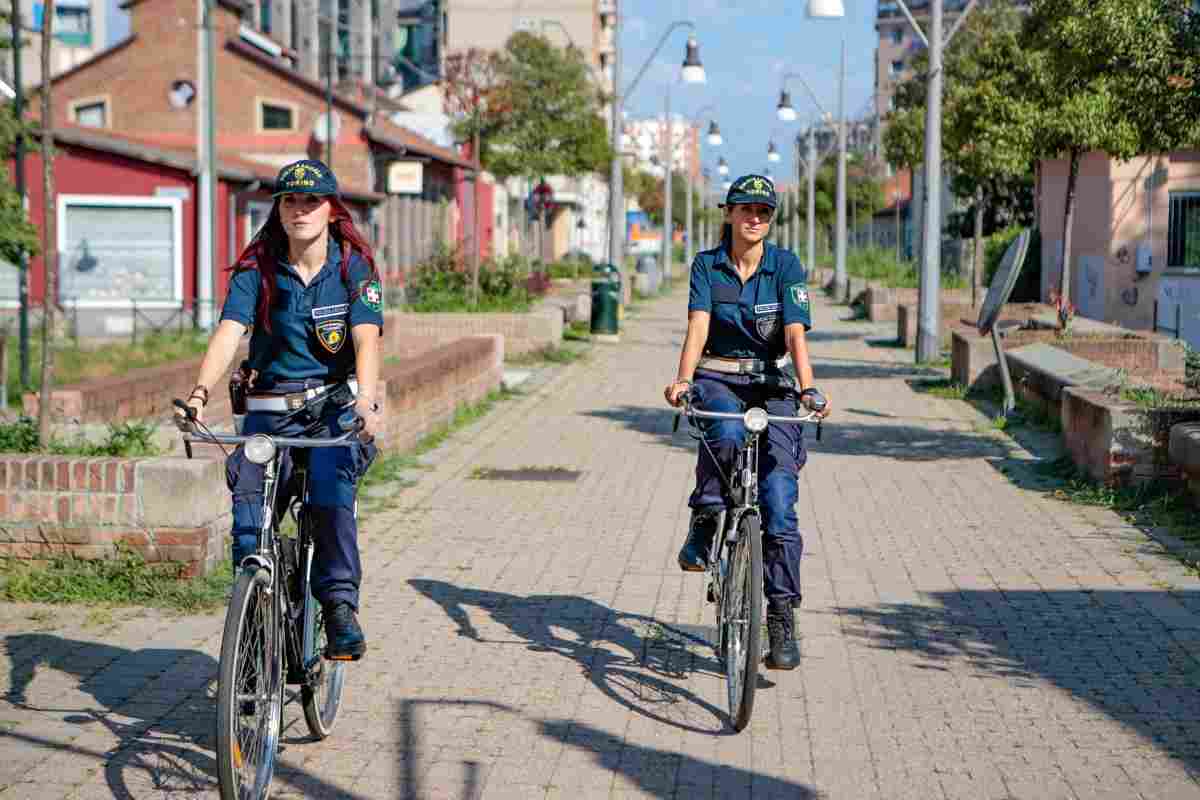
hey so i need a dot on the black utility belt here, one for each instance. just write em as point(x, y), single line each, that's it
point(294, 401)
point(741, 366)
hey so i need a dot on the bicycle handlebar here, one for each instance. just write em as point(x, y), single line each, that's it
point(351, 422)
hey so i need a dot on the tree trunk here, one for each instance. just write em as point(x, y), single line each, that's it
point(475, 222)
point(49, 251)
point(1064, 289)
point(977, 261)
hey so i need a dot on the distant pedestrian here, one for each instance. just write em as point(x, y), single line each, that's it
point(307, 289)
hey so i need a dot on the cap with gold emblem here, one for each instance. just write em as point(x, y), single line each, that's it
point(751, 189)
point(305, 177)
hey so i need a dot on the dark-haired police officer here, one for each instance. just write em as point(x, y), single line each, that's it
point(307, 288)
point(748, 308)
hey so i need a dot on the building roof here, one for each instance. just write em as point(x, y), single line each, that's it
point(230, 167)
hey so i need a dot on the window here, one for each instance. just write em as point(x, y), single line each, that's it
point(276, 117)
point(90, 113)
point(72, 22)
point(896, 68)
point(264, 16)
point(897, 35)
point(256, 217)
point(120, 249)
point(1183, 230)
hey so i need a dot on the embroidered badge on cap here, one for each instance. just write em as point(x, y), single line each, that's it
point(332, 334)
point(371, 294)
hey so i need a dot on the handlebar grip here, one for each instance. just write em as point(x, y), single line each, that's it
point(351, 421)
point(188, 411)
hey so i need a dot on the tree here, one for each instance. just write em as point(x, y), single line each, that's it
point(542, 117)
point(470, 79)
point(18, 236)
point(1106, 77)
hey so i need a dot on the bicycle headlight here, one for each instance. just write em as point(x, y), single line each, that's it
point(755, 420)
point(259, 449)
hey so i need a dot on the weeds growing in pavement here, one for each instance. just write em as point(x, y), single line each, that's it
point(126, 579)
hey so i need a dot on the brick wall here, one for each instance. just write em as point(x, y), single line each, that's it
point(138, 394)
point(165, 508)
point(522, 332)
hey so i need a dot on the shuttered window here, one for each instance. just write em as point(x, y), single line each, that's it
point(1183, 230)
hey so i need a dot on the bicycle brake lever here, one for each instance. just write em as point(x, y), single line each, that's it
point(675, 425)
point(818, 430)
point(187, 448)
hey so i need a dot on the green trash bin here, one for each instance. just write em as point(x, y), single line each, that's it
point(606, 303)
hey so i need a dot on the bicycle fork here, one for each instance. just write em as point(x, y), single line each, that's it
point(743, 490)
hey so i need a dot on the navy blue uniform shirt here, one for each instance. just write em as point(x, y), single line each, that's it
point(748, 319)
point(310, 325)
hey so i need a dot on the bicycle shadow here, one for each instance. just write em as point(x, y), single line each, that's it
point(147, 715)
point(153, 702)
point(634, 667)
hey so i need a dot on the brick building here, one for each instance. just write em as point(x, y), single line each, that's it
point(143, 92)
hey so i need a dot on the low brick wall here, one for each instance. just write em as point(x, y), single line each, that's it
point(421, 393)
point(176, 510)
point(138, 394)
point(1183, 450)
point(522, 333)
point(167, 509)
point(973, 358)
point(951, 314)
point(882, 302)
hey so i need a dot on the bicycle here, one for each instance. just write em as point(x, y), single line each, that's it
point(735, 557)
point(274, 632)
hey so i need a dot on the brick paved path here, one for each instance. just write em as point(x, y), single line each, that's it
point(964, 635)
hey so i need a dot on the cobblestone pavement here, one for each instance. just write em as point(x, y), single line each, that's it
point(965, 635)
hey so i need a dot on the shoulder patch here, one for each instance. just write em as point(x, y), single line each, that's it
point(798, 292)
point(371, 294)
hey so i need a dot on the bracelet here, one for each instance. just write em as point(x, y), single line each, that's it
point(683, 380)
point(196, 393)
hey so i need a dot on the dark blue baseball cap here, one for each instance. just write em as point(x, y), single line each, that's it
point(751, 189)
point(305, 177)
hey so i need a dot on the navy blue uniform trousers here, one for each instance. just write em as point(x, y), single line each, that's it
point(333, 474)
point(781, 456)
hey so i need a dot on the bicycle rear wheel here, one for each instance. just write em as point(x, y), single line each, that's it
point(741, 616)
point(249, 689)
point(322, 691)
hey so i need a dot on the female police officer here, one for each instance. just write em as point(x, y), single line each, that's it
point(307, 288)
point(748, 307)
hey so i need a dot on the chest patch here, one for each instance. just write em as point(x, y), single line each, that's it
point(767, 325)
point(331, 333)
point(766, 308)
point(330, 311)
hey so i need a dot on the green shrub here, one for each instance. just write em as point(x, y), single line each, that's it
point(125, 440)
point(443, 283)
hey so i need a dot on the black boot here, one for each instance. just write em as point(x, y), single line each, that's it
point(781, 629)
point(345, 637)
point(693, 556)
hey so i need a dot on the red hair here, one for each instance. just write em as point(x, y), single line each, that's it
point(270, 246)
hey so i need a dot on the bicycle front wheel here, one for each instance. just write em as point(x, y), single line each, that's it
point(249, 689)
point(741, 618)
point(322, 690)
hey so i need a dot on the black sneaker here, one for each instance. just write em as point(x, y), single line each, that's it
point(693, 556)
point(785, 652)
point(342, 631)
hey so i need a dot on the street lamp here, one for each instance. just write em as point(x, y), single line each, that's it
point(692, 72)
point(714, 138)
point(785, 110)
point(723, 166)
point(772, 153)
point(928, 310)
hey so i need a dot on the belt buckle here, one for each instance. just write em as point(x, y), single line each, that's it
point(295, 402)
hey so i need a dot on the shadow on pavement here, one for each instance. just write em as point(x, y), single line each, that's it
point(905, 442)
point(1133, 656)
point(156, 702)
point(653, 421)
point(634, 659)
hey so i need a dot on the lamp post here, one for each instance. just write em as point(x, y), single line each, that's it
point(715, 139)
point(692, 72)
point(928, 310)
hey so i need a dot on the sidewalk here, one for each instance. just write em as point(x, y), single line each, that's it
point(965, 635)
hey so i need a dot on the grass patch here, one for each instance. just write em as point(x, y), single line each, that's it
point(578, 331)
point(124, 580)
point(943, 387)
point(73, 364)
point(125, 440)
point(550, 354)
point(1152, 504)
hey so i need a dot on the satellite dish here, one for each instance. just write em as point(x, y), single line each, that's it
point(1003, 282)
point(181, 94)
point(321, 127)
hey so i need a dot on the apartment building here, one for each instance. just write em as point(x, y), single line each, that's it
point(80, 31)
point(644, 142)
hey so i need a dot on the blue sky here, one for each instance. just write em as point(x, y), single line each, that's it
point(746, 47)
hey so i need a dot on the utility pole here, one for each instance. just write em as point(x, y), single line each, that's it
point(19, 176)
point(329, 42)
point(49, 248)
point(668, 152)
point(207, 158)
point(931, 254)
point(616, 179)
